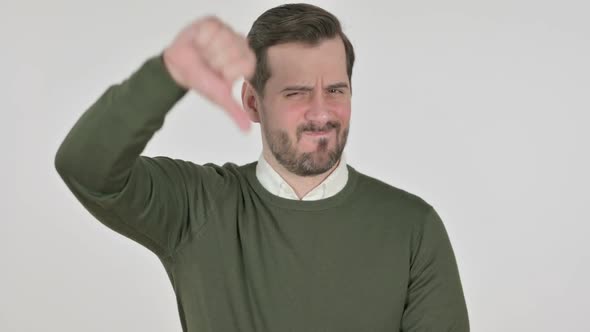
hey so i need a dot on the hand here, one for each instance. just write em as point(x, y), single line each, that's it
point(208, 56)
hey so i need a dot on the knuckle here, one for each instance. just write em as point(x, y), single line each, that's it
point(207, 29)
point(225, 36)
point(210, 20)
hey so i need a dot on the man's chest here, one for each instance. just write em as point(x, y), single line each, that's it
point(275, 275)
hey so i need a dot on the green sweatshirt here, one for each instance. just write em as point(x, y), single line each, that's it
point(370, 258)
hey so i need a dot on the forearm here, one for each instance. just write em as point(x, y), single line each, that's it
point(101, 148)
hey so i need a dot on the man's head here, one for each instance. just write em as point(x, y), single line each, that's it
point(301, 86)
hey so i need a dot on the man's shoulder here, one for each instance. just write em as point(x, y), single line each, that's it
point(191, 172)
point(380, 191)
point(167, 161)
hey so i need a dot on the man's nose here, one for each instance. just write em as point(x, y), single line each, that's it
point(318, 110)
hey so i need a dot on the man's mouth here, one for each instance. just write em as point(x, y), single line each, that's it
point(317, 133)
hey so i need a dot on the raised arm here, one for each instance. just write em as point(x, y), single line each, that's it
point(154, 201)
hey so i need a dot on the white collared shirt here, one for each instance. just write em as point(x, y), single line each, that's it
point(274, 183)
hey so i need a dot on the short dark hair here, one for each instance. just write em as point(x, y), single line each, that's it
point(298, 22)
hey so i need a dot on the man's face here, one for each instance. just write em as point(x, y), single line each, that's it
point(305, 112)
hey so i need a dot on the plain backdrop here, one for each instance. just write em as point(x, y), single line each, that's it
point(479, 107)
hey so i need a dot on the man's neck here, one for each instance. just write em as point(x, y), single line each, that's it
point(300, 184)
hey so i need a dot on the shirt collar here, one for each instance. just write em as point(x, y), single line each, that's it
point(275, 184)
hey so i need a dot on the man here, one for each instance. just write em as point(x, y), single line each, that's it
point(297, 241)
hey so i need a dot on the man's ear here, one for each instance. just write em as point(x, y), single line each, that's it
point(250, 101)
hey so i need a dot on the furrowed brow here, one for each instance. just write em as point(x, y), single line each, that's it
point(297, 88)
point(338, 85)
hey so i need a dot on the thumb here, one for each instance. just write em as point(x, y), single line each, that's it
point(219, 91)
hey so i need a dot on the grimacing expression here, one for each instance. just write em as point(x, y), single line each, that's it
point(305, 112)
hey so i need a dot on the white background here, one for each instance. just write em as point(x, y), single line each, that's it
point(479, 107)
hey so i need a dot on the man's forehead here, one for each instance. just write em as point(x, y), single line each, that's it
point(332, 48)
point(300, 61)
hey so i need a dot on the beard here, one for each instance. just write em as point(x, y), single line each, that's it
point(315, 162)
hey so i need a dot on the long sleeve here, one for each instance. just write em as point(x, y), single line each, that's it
point(105, 142)
point(435, 299)
point(157, 201)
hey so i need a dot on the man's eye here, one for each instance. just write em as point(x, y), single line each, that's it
point(335, 91)
point(291, 94)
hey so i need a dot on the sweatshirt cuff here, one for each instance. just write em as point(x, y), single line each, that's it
point(162, 82)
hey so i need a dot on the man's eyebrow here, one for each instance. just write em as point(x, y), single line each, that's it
point(297, 88)
point(338, 85)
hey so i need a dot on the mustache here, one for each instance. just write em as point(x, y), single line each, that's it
point(313, 127)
